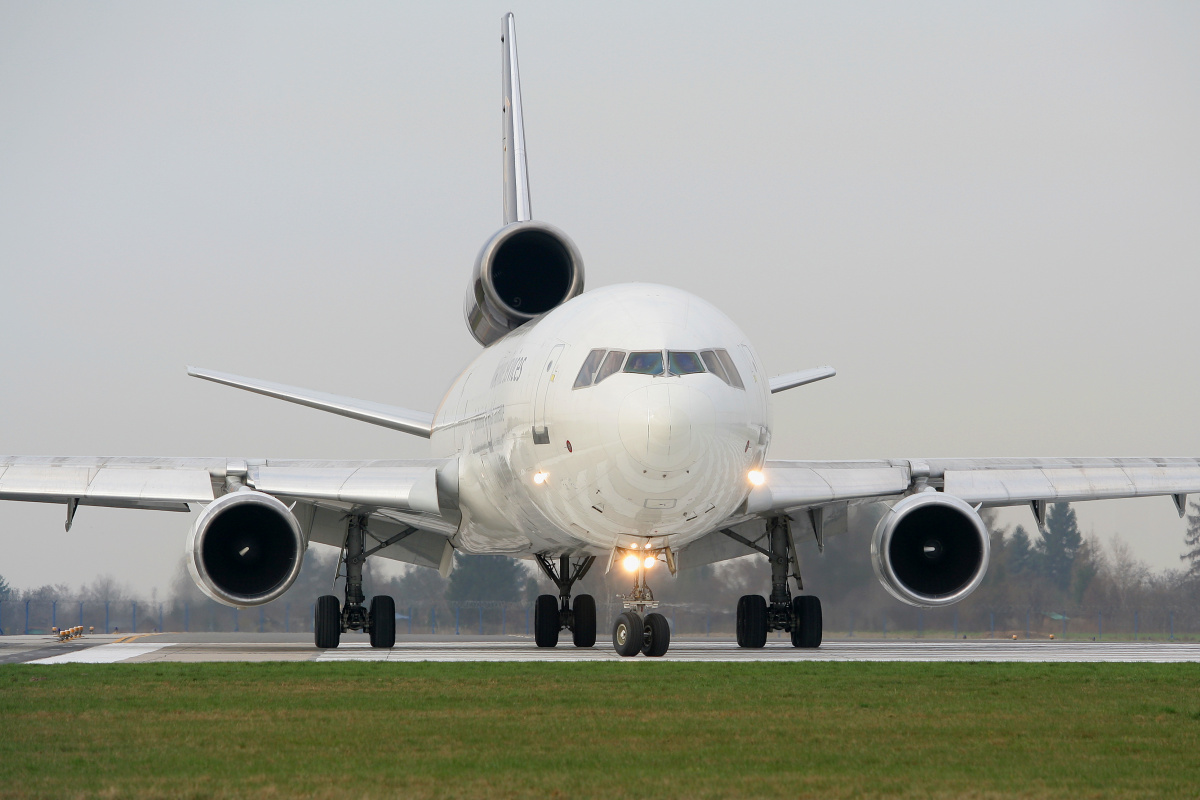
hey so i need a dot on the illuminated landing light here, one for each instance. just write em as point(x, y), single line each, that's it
point(649, 562)
point(756, 477)
point(631, 563)
point(540, 477)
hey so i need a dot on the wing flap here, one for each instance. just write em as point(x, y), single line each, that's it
point(795, 485)
point(997, 487)
point(410, 487)
point(104, 485)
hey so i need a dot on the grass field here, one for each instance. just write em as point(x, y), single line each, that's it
point(640, 729)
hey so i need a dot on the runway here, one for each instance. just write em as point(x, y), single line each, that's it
point(247, 647)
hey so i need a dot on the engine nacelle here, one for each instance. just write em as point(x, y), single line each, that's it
point(526, 269)
point(931, 549)
point(245, 549)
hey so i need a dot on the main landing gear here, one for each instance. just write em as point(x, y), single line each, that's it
point(553, 614)
point(635, 631)
point(379, 620)
point(800, 615)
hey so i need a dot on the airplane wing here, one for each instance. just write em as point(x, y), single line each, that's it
point(990, 482)
point(415, 493)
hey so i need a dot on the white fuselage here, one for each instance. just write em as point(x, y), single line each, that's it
point(548, 467)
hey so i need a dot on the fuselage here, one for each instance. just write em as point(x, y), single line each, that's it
point(629, 414)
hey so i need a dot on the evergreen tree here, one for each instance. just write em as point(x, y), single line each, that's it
point(1060, 545)
point(5, 589)
point(1021, 555)
point(486, 578)
point(1191, 540)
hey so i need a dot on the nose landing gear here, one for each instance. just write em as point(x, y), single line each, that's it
point(635, 631)
point(551, 614)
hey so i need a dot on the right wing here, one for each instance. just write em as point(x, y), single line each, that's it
point(419, 493)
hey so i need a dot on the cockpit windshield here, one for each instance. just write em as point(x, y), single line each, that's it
point(684, 363)
point(601, 364)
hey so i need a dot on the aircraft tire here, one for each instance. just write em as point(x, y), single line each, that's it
point(583, 629)
point(657, 636)
point(327, 621)
point(628, 634)
point(752, 621)
point(806, 621)
point(383, 621)
point(545, 621)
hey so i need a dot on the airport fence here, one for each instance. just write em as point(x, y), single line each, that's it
point(687, 619)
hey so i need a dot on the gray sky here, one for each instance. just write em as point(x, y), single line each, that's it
point(984, 215)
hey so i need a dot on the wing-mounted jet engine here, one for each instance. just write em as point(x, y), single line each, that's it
point(931, 549)
point(528, 267)
point(245, 549)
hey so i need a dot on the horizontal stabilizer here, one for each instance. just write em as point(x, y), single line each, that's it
point(418, 423)
point(794, 379)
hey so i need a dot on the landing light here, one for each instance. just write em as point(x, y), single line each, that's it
point(540, 477)
point(756, 477)
point(649, 562)
point(631, 563)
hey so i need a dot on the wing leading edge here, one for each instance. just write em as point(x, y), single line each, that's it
point(990, 482)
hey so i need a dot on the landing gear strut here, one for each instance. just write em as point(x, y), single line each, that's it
point(800, 615)
point(635, 631)
point(331, 620)
point(551, 614)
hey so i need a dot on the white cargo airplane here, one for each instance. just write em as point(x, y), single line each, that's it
point(629, 424)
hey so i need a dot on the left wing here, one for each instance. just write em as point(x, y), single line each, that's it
point(990, 482)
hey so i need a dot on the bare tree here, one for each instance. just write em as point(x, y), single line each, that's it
point(1191, 540)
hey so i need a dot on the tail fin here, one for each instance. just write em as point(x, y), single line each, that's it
point(516, 173)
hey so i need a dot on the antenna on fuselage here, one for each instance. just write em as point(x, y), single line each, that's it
point(516, 172)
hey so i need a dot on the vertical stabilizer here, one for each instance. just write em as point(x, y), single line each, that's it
point(516, 173)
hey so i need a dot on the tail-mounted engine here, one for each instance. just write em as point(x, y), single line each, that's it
point(931, 549)
point(245, 549)
point(526, 269)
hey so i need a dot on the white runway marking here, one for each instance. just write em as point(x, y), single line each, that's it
point(103, 654)
point(994, 651)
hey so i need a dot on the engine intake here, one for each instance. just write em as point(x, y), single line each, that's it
point(245, 549)
point(525, 269)
point(931, 549)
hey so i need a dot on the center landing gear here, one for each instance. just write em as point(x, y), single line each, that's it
point(800, 615)
point(331, 620)
point(634, 633)
point(553, 614)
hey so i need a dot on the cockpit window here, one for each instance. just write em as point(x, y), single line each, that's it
point(649, 363)
point(714, 364)
point(727, 362)
point(588, 371)
point(683, 363)
point(612, 364)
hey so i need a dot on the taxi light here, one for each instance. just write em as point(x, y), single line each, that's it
point(756, 477)
point(540, 477)
point(650, 561)
point(631, 563)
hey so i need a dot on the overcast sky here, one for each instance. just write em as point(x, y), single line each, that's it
point(984, 215)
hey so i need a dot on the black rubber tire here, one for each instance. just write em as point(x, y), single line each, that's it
point(806, 621)
point(752, 621)
point(327, 621)
point(383, 621)
point(657, 635)
point(583, 628)
point(545, 621)
point(628, 634)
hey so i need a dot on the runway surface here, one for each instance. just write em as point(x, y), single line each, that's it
point(149, 648)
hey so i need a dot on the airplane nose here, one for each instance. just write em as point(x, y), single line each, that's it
point(661, 425)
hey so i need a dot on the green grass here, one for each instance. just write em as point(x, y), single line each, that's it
point(641, 729)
